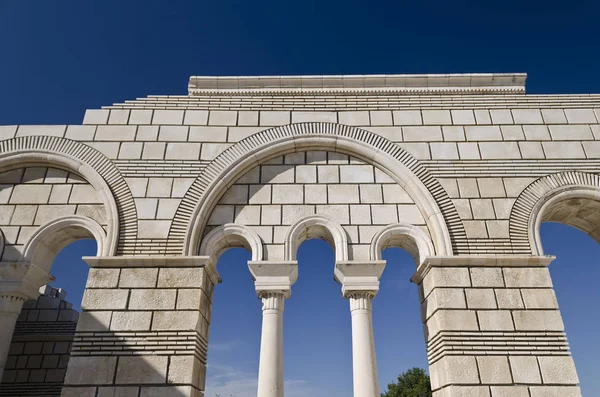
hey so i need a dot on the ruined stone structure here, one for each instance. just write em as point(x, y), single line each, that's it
point(459, 170)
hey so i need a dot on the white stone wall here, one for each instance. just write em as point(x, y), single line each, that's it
point(33, 196)
point(276, 194)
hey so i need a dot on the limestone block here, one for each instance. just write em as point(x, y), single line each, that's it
point(501, 116)
point(182, 151)
point(47, 130)
point(381, 117)
point(580, 116)
point(221, 215)
point(536, 277)
point(499, 150)
point(292, 213)
point(463, 117)
point(512, 132)
point(360, 214)
point(274, 118)
point(159, 187)
point(409, 214)
point(341, 213)
point(130, 391)
point(570, 132)
point(137, 186)
point(236, 194)
point(356, 174)
point(78, 391)
point(142, 369)
point(173, 133)
point(115, 133)
point(440, 277)
point(102, 278)
point(525, 369)
point(181, 186)
point(84, 194)
point(147, 133)
point(294, 158)
point(247, 215)
point(161, 391)
point(457, 369)
point(60, 194)
point(175, 321)
point(75, 132)
point(140, 116)
point(538, 320)
point(468, 188)
point(195, 117)
point(407, 117)
point(118, 116)
point(248, 118)
point(494, 370)
point(453, 133)
point(371, 194)
point(138, 278)
point(211, 150)
point(422, 134)
point(509, 299)
point(316, 157)
point(383, 214)
point(495, 320)
point(393, 194)
point(168, 117)
point(450, 320)
point(436, 117)
point(558, 370)
point(343, 194)
point(219, 134)
point(49, 212)
point(498, 229)
point(183, 369)
point(355, 118)
point(531, 150)
point(539, 298)
point(443, 298)
point(482, 117)
point(491, 187)
point(483, 133)
point(555, 391)
point(475, 229)
point(315, 194)
point(482, 209)
point(514, 186)
point(328, 174)
point(180, 277)
point(130, 151)
point(305, 117)
point(509, 391)
point(444, 151)
point(277, 174)
point(287, 194)
point(167, 208)
point(480, 298)
point(188, 299)
point(131, 321)
point(153, 229)
point(91, 321)
point(463, 208)
point(270, 215)
point(306, 174)
point(105, 299)
point(366, 233)
point(527, 116)
point(30, 194)
point(146, 208)
point(450, 186)
point(554, 116)
point(592, 149)
point(7, 131)
point(95, 370)
point(563, 150)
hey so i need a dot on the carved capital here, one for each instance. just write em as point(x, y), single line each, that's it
point(23, 278)
point(359, 277)
point(11, 303)
point(272, 300)
point(360, 300)
point(274, 277)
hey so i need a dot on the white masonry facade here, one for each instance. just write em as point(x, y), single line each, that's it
point(459, 170)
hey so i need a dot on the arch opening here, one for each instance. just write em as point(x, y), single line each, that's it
point(231, 235)
point(316, 227)
point(407, 237)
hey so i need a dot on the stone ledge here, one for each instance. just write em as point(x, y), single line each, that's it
point(411, 84)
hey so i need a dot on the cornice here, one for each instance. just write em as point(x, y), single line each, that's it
point(408, 84)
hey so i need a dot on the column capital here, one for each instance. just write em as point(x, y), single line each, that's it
point(22, 278)
point(11, 302)
point(274, 277)
point(359, 276)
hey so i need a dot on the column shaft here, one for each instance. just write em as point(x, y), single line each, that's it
point(10, 307)
point(270, 371)
point(364, 363)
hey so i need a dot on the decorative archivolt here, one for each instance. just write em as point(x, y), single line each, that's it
point(228, 236)
point(414, 240)
point(316, 226)
point(96, 168)
point(442, 219)
point(532, 204)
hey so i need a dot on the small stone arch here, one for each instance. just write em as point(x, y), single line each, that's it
point(48, 240)
point(436, 206)
point(228, 236)
point(316, 226)
point(414, 240)
point(95, 167)
point(572, 198)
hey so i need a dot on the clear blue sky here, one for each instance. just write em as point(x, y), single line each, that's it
point(60, 57)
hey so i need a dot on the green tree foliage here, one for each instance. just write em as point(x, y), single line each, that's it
point(412, 383)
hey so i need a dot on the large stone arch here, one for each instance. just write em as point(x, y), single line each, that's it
point(560, 197)
point(441, 216)
point(96, 168)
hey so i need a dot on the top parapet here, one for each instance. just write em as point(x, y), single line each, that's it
point(400, 84)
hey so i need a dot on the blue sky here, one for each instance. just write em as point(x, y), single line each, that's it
point(59, 58)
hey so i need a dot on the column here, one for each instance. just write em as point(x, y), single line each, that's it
point(273, 281)
point(10, 307)
point(493, 327)
point(360, 283)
